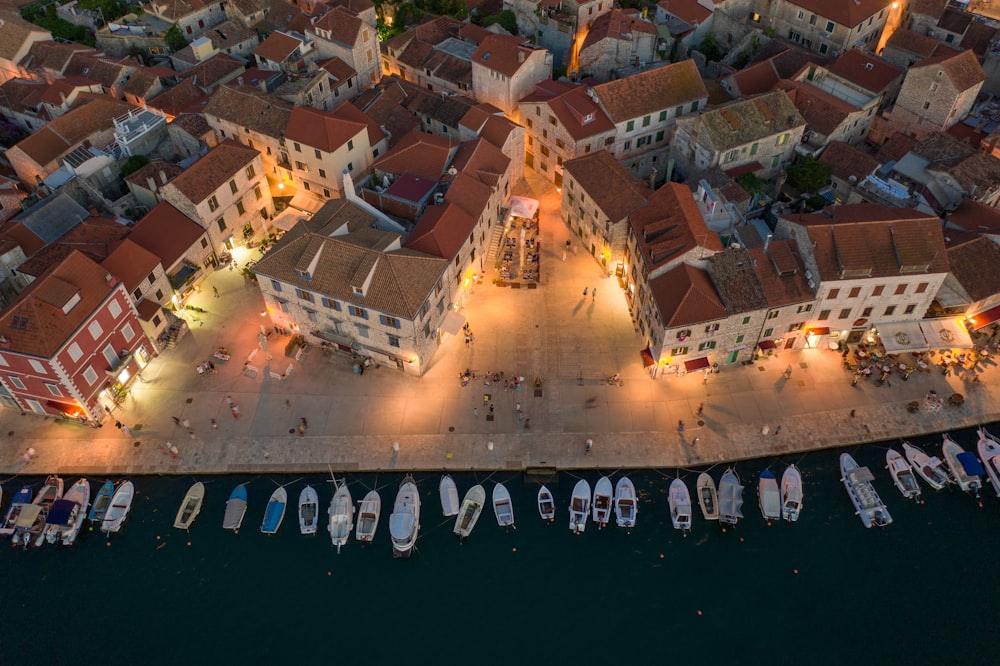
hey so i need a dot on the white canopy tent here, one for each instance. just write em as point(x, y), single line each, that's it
point(945, 334)
point(523, 207)
point(902, 336)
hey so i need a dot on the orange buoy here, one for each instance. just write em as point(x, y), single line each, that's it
point(513, 550)
point(795, 571)
point(661, 556)
point(329, 573)
point(699, 613)
point(108, 544)
point(189, 544)
point(157, 537)
point(741, 539)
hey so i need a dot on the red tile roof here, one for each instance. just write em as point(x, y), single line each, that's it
point(67, 131)
point(576, 110)
point(213, 170)
point(963, 69)
point(912, 42)
point(844, 12)
point(822, 111)
point(131, 263)
point(350, 113)
point(756, 79)
point(975, 262)
point(847, 161)
point(277, 47)
point(320, 129)
point(651, 91)
point(854, 67)
point(505, 54)
point(669, 226)
point(420, 153)
point(977, 217)
point(442, 231)
point(615, 189)
point(616, 25)
point(167, 233)
point(688, 11)
point(686, 296)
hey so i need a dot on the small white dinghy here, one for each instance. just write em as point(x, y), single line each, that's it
point(368, 515)
point(469, 512)
point(730, 498)
point(190, 506)
point(341, 515)
point(449, 496)
point(603, 497)
point(791, 494)
point(680, 506)
point(626, 505)
point(902, 474)
point(121, 503)
point(579, 507)
point(768, 496)
point(930, 468)
point(708, 497)
point(965, 469)
point(989, 452)
point(308, 510)
point(503, 508)
point(546, 504)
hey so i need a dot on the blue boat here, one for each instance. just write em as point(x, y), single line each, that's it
point(102, 502)
point(236, 508)
point(275, 511)
point(22, 497)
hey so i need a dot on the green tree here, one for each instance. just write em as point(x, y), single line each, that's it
point(808, 174)
point(750, 182)
point(175, 38)
point(133, 164)
point(505, 19)
point(710, 47)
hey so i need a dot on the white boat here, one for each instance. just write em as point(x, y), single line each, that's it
point(274, 512)
point(964, 466)
point(341, 516)
point(858, 482)
point(603, 497)
point(449, 496)
point(368, 515)
point(791, 494)
point(121, 503)
point(404, 523)
point(51, 491)
point(469, 512)
point(579, 507)
point(29, 524)
point(680, 506)
point(930, 468)
point(308, 510)
point(708, 497)
point(67, 514)
point(546, 504)
point(21, 499)
point(730, 498)
point(902, 474)
point(989, 452)
point(190, 507)
point(503, 508)
point(626, 504)
point(236, 508)
point(768, 496)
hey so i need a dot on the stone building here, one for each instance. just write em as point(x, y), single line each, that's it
point(505, 69)
point(830, 27)
point(617, 41)
point(937, 93)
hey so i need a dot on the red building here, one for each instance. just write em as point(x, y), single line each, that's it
point(71, 342)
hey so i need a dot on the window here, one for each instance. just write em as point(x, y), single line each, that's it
point(739, 339)
point(679, 110)
point(782, 139)
point(394, 341)
point(560, 144)
point(909, 309)
point(659, 136)
point(845, 314)
point(768, 332)
point(74, 352)
point(801, 15)
point(922, 287)
point(232, 186)
point(823, 48)
point(350, 166)
point(855, 292)
point(927, 105)
point(544, 150)
point(362, 331)
point(240, 209)
point(301, 167)
point(357, 312)
point(833, 293)
point(678, 351)
point(746, 320)
point(552, 120)
point(663, 116)
point(775, 161)
point(610, 140)
point(900, 289)
point(249, 170)
point(114, 308)
point(934, 87)
point(54, 390)
point(350, 144)
point(629, 126)
point(304, 296)
point(257, 193)
point(889, 311)
point(694, 106)
point(805, 308)
point(110, 355)
point(773, 314)
point(877, 291)
point(204, 243)
point(732, 155)
point(830, 25)
point(311, 314)
point(645, 121)
point(867, 312)
point(318, 154)
point(276, 285)
point(330, 303)
point(796, 326)
point(824, 315)
point(306, 186)
point(391, 322)
point(95, 330)
point(137, 294)
point(326, 192)
point(222, 223)
point(706, 345)
point(297, 147)
point(322, 173)
point(37, 366)
point(17, 383)
point(213, 203)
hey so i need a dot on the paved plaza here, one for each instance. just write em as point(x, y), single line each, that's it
point(384, 419)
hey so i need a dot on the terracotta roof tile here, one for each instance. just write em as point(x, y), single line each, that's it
point(320, 129)
point(756, 79)
point(65, 132)
point(52, 56)
point(14, 32)
point(616, 24)
point(419, 153)
point(849, 12)
point(976, 217)
point(344, 26)
point(572, 105)
point(669, 226)
point(963, 69)
point(688, 11)
point(94, 236)
point(167, 233)
point(250, 108)
point(975, 262)
point(895, 148)
point(442, 231)
point(482, 160)
point(686, 296)
point(505, 54)
point(184, 98)
point(847, 161)
point(853, 66)
point(651, 91)
point(160, 171)
point(774, 267)
point(822, 111)
point(131, 263)
point(350, 113)
point(912, 42)
point(213, 170)
point(615, 189)
point(220, 68)
point(278, 47)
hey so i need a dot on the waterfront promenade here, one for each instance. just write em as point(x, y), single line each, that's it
point(385, 420)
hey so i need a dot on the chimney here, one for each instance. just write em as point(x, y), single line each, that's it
point(151, 182)
point(652, 178)
point(163, 177)
point(767, 241)
point(239, 80)
point(520, 56)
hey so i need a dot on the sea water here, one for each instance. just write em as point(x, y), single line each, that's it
point(821, 591)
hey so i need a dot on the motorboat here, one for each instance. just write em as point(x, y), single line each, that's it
point(101, 502)
point(341, 515)
point(791, 494)
point(603, 497)
point(190, 507)
point(67, 514)
point(858, 482)
point(469, 512)
point(274, 512)
point(21, 498)
point(236, 508)
point(579, 507)
point(768, 496)
point(680, 506)
point(730, 498)
point(902, 474)
point(449, 496)
point(989, 452)
point(121, 504)
point(503, 508)
point(368, 515)
point(626, 504)
point(930, 468)
point(29, 524)
point(546, 504)
point(50, 491)
point(308, 510)
point(708, 497)
point(963, 465)
point(404, 523)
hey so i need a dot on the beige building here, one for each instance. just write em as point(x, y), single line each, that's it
point(616, 42)
point(831, 28)
point(505, 69)
point(937, 93)
point(340, 33)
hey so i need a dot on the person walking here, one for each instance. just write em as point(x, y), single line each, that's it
point(588, 445)
point(701, 408)
point(475, 412)
point(680, 427)
point(584, 292)
point(215, 291)
point(593, 294)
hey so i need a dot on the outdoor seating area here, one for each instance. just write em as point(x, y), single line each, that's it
point(870, 360)
point(519, 261)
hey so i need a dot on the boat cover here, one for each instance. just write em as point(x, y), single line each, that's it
point(401, 525)
point(863, 474)
point(970, 463)
point(29, 513)
point(60, 512)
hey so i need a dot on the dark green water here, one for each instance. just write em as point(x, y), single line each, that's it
point(921, 591)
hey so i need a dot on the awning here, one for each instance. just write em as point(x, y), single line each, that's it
point(523, 207)
point(986, 317)
point(945, 334)
point(970, 463)
point(306, 201)
point(453, 322)
point(287, 219)
point(647, 358)
point(825, 330)
point(901, 336)
point(696, 364)
point(736, 172)
point(766, 344)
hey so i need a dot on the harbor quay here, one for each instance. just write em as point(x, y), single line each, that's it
point(320, 410)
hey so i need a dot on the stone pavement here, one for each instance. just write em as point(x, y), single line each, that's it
point(553, 333)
